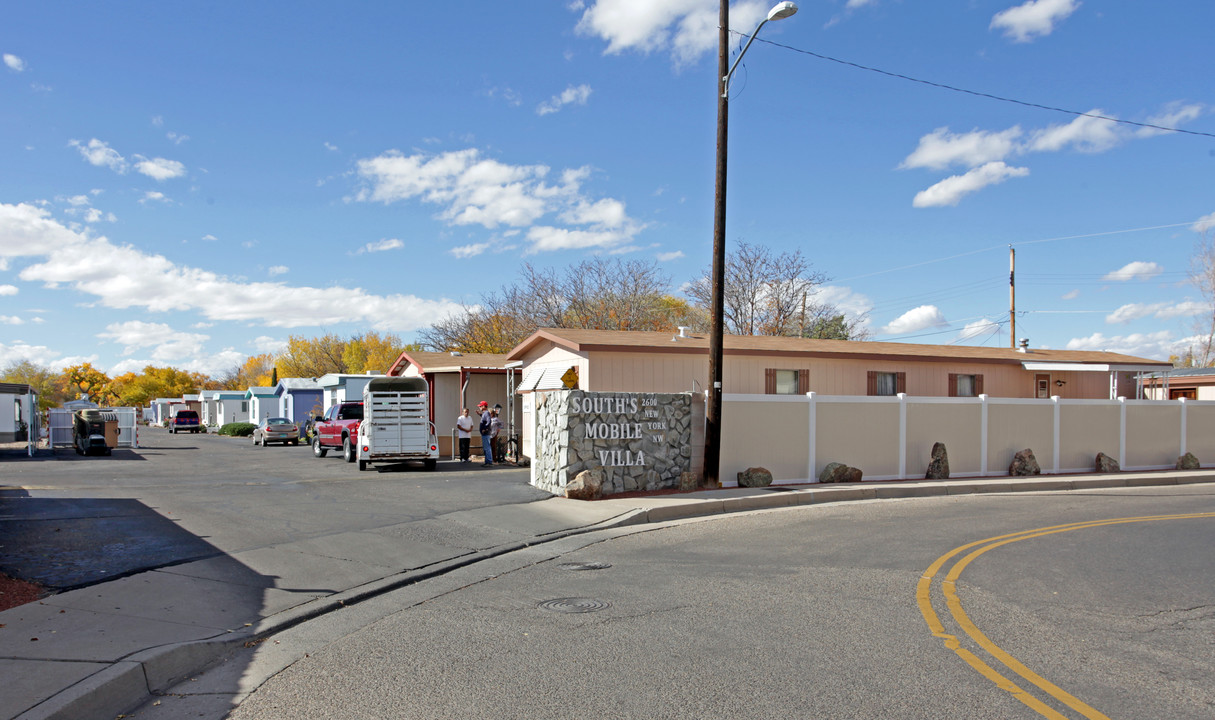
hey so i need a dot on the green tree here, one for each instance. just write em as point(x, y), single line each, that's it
point(42, 379)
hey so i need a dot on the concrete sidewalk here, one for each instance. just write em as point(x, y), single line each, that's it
point(104, 649)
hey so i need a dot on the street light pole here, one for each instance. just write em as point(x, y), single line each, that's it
point(717, 328)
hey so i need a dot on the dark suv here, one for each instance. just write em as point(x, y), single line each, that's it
point(185, 420)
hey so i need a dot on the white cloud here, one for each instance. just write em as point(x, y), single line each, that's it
point(1173, 115)
point(1135, 270)
point(14, 63)
point(1205, 223)
point(153, 196)
point(669, 256)
point(100, 154)
point(467, 251)
point(11, 320)
point(472, 190)
point(266, 344)
point(177, 138)
point(169, 347)
point(978, 329)
point(8, 290)
point(330, 146)
point(1161, 310)
point(570, 96)
point(941, 149)
point(686, 28)
point(1035, 18)
point(916, 319)
point(121, 276)
point(159, 168)
point(986, 151)
point(1085, 134)
point(952, 189)
point(1070, 295)
point(1157, 345)
point(380, 246)
point(38, 354)
point(853, 304)
point(276, 270)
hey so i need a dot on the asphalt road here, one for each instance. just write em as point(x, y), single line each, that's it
point(803, 613)
point(68, 521)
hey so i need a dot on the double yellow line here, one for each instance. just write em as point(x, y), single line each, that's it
point(949, 590)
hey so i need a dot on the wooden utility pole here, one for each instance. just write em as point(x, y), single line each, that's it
point(1012, 297)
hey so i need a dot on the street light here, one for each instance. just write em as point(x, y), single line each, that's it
point(780, 11)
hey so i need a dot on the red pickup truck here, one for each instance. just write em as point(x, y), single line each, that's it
point(338, 429)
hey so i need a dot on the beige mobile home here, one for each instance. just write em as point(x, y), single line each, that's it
point(619, 361)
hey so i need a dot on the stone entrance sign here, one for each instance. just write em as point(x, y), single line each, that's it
point(641, 441)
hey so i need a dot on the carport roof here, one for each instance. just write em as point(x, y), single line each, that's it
point(436, 362)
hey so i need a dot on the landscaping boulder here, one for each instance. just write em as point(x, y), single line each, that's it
point(586, 485)
point(689, 482)
point(1188, 462)
point(1024, 463)
point(1107, 464)
point(839, 472)
point(754, 477)
point(938, 468)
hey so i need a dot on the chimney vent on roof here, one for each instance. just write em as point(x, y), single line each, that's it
point(1024, 345)
point(683, 331)
point(457, 353)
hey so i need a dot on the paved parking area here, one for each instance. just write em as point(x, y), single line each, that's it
point(68, 521)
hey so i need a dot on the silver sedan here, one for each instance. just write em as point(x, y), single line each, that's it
point(276, 429)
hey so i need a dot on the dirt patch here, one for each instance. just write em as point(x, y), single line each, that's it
point(17, 592)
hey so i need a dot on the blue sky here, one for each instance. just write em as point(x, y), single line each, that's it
point(189, 184)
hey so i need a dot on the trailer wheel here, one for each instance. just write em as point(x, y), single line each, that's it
point(430, 463)
point(348, 451)
point(362, 465)
point(317, 450)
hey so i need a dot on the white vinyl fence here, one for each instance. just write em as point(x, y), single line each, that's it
point(60, 422)
point(891, 438)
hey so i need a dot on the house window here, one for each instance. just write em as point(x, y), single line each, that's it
point(887, 383)
point(786, 382)
point(965, 385)
point(244, 406)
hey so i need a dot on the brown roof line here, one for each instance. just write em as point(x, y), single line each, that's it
point(631, 341)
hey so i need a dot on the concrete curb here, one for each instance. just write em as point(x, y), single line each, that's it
point(138, 677)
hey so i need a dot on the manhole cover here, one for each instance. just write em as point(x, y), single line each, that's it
point(575, 605)
point(590, 565)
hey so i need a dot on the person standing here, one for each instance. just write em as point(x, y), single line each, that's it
point(484, 429)
point(495, 435)
point(464, 425)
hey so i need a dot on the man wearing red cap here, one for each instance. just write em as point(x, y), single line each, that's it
point(485, 429)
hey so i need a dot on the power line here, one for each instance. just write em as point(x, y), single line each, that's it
point(1015, 244)
point(977, 93)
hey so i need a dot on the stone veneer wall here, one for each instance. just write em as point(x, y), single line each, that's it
point(643, 441)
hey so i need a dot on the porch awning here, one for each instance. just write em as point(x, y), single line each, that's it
point(1091, 367)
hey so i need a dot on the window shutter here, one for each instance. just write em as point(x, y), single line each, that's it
point(953, 384)
point(803, 381)
point(770, 381)
point(978, 385)
point(872, 389)
point(900, 382)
